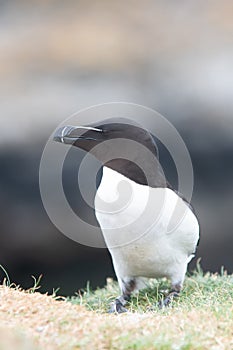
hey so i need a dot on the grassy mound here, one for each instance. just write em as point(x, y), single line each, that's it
point(201, 318)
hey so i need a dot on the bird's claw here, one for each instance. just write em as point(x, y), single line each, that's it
point(117, 307)
point(167, 301)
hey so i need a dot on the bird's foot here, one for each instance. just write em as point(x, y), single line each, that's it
point(117, 307)
point(169, 298)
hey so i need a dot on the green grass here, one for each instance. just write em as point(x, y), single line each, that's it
point(201, 318)
point(201, 290)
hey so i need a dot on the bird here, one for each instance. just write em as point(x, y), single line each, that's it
point(149, 228)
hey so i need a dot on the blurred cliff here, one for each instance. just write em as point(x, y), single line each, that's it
point(57, 57)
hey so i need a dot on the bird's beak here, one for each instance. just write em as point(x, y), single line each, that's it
point(70, 134)
point(62, 134)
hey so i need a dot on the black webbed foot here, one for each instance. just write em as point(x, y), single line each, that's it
point(117, 307)
point(127, 287)
point(168, 299)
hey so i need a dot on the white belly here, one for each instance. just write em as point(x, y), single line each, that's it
point(149, 231)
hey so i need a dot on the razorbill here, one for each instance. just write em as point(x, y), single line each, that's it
point(150, 230)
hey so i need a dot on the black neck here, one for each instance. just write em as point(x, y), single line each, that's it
point(150, 175)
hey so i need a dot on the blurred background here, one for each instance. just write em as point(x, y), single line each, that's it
point(60, 56)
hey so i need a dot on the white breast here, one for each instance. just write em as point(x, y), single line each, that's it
point(147, 230)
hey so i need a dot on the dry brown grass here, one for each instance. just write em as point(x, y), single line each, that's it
point(36, 321)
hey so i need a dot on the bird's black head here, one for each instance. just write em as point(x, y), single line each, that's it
point(119, 144)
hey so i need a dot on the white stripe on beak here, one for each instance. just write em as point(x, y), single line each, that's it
point(63, 133)
point(89, 128)
point(68, 128)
